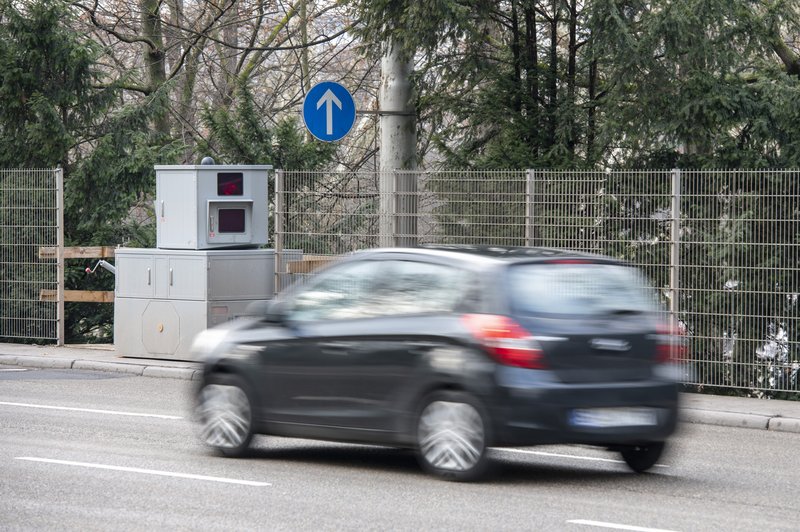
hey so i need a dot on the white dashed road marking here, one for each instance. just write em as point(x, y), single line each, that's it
point(616, 526)
point(89, 410)
point(571, 456)
point(145, 471)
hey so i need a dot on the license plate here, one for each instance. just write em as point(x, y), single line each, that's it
point(614, 417)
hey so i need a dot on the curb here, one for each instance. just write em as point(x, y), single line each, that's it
point(39, 362)
point(725, 419)
point(740, 420)
point(784, 424)
point(107, 366)
point(36, 362)
point(171, 373)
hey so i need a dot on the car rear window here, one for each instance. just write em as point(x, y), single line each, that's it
point(581, 289)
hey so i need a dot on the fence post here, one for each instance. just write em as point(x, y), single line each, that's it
point(674, 251)
point(386, 207)
point(530, 177)
point(406, 211)
point(60, 314)
point(279, 230)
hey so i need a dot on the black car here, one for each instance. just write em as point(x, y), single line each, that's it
point(448, 351)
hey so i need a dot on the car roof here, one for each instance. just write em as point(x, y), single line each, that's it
point(494, 254)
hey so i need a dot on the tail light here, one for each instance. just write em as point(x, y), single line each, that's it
point(671, 345)
point(505, 340)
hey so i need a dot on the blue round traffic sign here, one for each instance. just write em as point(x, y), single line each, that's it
point(329, 111)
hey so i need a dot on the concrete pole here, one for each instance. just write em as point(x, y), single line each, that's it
point(398, 157)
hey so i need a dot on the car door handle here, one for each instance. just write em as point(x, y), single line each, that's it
point(420, 347)
point(423, 345)
point(338, 348)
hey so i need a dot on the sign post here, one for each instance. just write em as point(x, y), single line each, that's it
point(329, 111)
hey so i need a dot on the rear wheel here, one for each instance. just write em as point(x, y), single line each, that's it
point(452, 435)
point(640, 458)
point(225, 414)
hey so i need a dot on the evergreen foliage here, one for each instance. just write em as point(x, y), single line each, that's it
point(697, 83)
point(48, 80)
point(56, 111)
point(568, 84)
point(242, 135)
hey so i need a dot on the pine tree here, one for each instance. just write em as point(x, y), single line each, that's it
point(57, 109)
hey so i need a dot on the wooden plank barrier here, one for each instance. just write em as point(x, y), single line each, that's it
point(78, 252)
point(308, 264)
point(79, 296)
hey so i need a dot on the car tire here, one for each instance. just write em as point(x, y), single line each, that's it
point(640, 458)
point(225, 413)
point(452, 435)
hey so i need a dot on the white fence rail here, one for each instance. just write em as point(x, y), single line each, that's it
point(723, 246)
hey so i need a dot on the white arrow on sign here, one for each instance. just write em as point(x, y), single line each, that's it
point(329, 99)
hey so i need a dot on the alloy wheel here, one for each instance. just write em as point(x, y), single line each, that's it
point(225, 414)
point(451, 437)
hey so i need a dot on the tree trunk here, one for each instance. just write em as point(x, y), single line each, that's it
point(230, 36)
point(154, 57)
point(187, 106)
point(571, 68)
point(516, 101)
point(532, 74)
point(184, 90)
point(552, 82)
point(789, 59)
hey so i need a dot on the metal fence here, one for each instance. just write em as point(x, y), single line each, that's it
point(30, 219)
point(740, 254)
point(722, 247)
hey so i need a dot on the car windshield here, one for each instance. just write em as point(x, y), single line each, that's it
point(580, 289)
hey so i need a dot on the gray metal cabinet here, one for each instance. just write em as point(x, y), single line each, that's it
point(186, 277)
point(195, 275)
point(211, 207)
point(137, 278)
point(163, 298)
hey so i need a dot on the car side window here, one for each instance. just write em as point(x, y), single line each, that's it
point(423, 288)
point(381, 288)
point(340, 293)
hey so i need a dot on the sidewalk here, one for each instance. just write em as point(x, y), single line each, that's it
point(94, 357)
point(742, 412)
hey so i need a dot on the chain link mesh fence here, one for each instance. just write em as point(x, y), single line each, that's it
point(29, 220)
point(722, 247)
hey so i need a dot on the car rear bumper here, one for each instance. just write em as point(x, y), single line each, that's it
point(532, 411)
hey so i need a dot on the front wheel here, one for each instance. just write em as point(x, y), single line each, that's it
point(225, 414)
point(640, 458)
point(452, 436)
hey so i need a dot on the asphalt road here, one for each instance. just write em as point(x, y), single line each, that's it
point(86, 450)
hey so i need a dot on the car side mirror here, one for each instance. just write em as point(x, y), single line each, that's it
point(276, 313)
point(272, 311)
